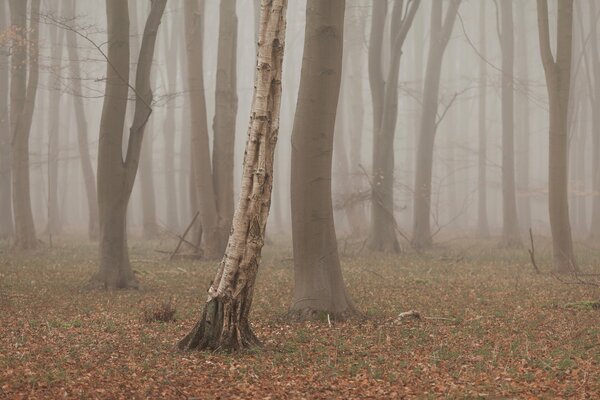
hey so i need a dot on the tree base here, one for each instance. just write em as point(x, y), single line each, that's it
point(220, 329)
point(100, 282)
point(310, 314)
point(510, 243)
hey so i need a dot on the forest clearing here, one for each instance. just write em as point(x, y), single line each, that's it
point(489, 326)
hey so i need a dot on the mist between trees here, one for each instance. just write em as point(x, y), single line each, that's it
point(379, 126)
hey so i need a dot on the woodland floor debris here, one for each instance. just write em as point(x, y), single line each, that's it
point(58, 340)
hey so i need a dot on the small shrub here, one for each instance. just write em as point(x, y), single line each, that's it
point(162, 312)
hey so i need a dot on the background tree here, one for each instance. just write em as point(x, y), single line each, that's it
point(115, 175)
point(224, 323)
point(558, 81)
point(483, 228)
point(438, 40)
point(6, 217)
point(510, 223)
point(318, 282)
point(23, 90)
point(382, 235)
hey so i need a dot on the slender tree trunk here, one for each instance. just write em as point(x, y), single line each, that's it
point(224, 323)
point(23, 93)
point(54, 221)
point(523, 121)
point(595, 104)
point(148, 192)
point(115, 175)
point(510, 223)
point(226, 102)
point(483, 229)
point(82, 127)
point(558, 76)
point(6, 217)
point(172, 54)
point(201, 163)
point(439, 37)
point(318, 283)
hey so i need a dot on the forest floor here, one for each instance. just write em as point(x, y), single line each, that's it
point(490, 327)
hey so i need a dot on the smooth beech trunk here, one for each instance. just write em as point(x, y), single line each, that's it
point(558, 77)
point(594, 65)
point(83, 146)
point(54, 225)
point(382, 234)
point(115, 175)
point(6, 217)
point(483, 229)
point(510, 223)
point(23, 89)
point(318, 282)
point(439, 37)
point(224, 322)
point(200, 148)
point(226, 102)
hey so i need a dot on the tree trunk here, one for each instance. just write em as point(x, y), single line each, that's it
point(224, 121)
point(149, 223)
point(558, 75)
point(172, 54)
point(483, 229)
point(54, 91)
point(439, 36)
point(595, 104)
point(82, 127)
point(6, 216)
point(224, 323)
point(201, 163)
point(510, 223)
point(382, 235)
point(318, 282)
point(23, 93)
point(115, 175)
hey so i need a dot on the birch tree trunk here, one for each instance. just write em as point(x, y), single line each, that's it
point(23, 89)
point(201, 161)
point(224, 322)
point(382, 235)
point(558, 76)
point(510, 223)
point(439, 37)
point(226, 102)
point(6, 216)
point(115, 175)
point(483, 229)
point(89, 178)
point(318, 282)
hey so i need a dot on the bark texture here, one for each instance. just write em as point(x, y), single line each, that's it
point(382, 235)
point(226, 102)
point(558, 76)
point(83, 147)
point(224, 322)
point(318, 281)
point(439, 36)
point(510, 223)
point(6, 217)
point(23, 89)
point(115, 175)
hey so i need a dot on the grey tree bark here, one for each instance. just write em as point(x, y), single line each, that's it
point(226, 102)
point(558, 77)
point(510, 222)
point(382, 234)
point(82, 126)
point(6, 215)
point(439, 37)
point(116, 175)
point(224, 323)
point(23, 89)
point(594, 66)
point(318, 281)
point(201, 161)
point(483, 229)
point(54, 225)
